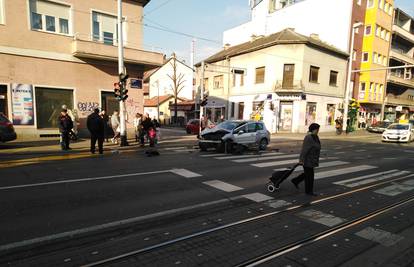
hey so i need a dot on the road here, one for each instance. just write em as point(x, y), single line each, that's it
point(192, 208)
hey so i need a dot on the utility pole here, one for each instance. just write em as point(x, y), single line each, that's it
point(192, 74)
point(121, 72)
point(202, 93)
point(158, 100)
point(348, 80)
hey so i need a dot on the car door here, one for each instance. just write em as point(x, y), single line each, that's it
point(241, 134)
point(252, 131)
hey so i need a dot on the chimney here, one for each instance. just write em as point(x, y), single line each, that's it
point(254, 37)
point(314, 36)
point(226, 46)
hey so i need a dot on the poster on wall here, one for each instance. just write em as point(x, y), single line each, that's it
point(310, 113)
point(22, 104)
point(330, 110)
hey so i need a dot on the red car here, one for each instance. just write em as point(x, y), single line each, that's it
point(193, 126)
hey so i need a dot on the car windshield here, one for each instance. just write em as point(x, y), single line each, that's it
point(398, 127)
point(381, 124)
point(229, 125)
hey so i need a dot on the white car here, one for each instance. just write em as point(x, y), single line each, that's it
point(397, 132)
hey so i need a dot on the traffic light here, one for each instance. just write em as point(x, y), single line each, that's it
point(123, 78)
point(204, 100)
point(117, 91)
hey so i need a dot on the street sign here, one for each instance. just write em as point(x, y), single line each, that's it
point(398, 108)
point(136, 83)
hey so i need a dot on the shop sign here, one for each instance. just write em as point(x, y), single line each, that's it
point(136, 83)
point(22, 104)
point(398, 108)
point(390, 109)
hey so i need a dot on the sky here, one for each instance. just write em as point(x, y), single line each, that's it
point(204, 19)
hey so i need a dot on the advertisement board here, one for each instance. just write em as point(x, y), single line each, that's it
point(22, 104)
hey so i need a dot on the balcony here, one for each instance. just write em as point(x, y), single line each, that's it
point(400, 54)
point(399, 101)
point(288, 87)
point(398, 78)
point(403, 33)
point(95, 50)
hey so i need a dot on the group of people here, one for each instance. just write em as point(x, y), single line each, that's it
point(146, 129)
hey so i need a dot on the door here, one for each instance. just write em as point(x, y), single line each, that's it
point(288, 75)
point(241, 135)
point(286, 111)
point(241, 110)
point(109, 102)
point(3, 99)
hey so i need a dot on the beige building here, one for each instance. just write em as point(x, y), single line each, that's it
point(55, 53)
point(286, 79)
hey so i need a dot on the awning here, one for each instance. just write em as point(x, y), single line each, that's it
point(216, 102)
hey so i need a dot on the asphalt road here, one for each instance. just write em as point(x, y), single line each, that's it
point(70, 212)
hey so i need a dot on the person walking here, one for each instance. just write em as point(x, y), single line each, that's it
point(137, 126)
point(146, 124)
point(309, 159)
point(96, 127)
point(107, 129)
point(115, 126)
point(65, 126)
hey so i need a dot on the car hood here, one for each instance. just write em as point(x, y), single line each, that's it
point(214, 130)
point(388, 131)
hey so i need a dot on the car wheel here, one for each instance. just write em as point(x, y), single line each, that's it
point(203, 147)
point(263, 144)
point(229, 146)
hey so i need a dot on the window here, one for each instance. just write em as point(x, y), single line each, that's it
point(385, 61)
point(259, 127)
point(368, 30)
point(260, 75)
point(49, 16)
point(313, 74)
point(251, 127)
point(370, 3)
point(104, 28)
point(49, 102)
point(378, 31)
point(205, 84)
point(241, 111)
point(383, 33)
point(387, 37)
point(387, 7)
point(379, 60)
point(238, 78)
point(359, 2)
point(354, 55)
point(390, 10)
point(375, 57)
point(365, 57)
point(50, 24)
point(232, 109)
point(1, 12)
point(218, 82)
point(381, 4)
point(333, 78)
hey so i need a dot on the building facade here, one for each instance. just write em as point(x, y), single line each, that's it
point(286, 79)
point(65, 53)
point(399, 101)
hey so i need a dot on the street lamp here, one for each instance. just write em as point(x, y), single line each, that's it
point(348, 87)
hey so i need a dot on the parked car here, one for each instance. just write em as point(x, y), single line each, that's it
point(378, 127)
point(7, 132)
point(232, 133)
point(397, 132)
point(193, 126)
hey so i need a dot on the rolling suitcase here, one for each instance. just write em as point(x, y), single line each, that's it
point(278, 177)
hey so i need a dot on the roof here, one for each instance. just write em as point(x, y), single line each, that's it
point(285, 37)
point(150, 73)
point(153, 102)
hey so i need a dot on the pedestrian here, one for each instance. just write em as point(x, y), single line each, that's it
point(157, 127)
point(338, 125)
point(96, 127)
point(146, 124)
point(65, 126)
point(73, 133)
point(137, 126)
point(309, 159)
point(107, 128)
point(115, 126)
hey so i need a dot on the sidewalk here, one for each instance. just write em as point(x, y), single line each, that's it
point(327, 135)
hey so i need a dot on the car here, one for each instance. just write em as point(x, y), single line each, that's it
point(228, 135)
point(193, 126)
point(378, 127)
point(398, 132)
point(7, 132)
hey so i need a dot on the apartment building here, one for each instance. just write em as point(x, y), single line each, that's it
point(376, 44)
point(399, 101)
point(333, 24)
point(286, 79)
point(55, 53)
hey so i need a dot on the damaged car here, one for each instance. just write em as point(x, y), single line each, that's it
point(231, 134)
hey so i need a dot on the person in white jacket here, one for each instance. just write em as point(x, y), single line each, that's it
point(137, 126)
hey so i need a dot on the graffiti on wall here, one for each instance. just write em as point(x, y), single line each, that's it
point(132, 108)
point(85, 108)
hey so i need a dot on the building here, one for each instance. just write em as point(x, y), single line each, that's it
point(399, 101)
point(286, 79)
point(161, 103)
point(371, 40)
point(65, 53)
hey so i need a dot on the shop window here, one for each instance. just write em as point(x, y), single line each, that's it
point(333, 78)
point(219, 82)
point(49, 105)
point(260, 75)
point(3, 100)
point(313, 74)
point(45, 15)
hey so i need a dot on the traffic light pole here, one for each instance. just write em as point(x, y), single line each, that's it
point(202, 94)
point(121, 71)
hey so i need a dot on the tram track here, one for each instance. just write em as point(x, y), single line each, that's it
point(284, 249)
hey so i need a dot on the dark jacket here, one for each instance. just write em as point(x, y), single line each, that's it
point(311, 151)
point(95, 124)
point(65, 123)
point(147, 124)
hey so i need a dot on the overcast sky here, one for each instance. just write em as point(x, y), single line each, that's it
point(204, 19)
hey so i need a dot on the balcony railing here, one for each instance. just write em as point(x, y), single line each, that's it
point(398, 78)
point(295, 86)
point(397, 100)
point(401, 55)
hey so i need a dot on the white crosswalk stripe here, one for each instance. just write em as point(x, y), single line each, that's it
point(247, 156)
point(336, 172)
point(223, 186)
point(211, 155)
point(323, 165)
point(263, 158)
point(275, 163)
point(375, 177)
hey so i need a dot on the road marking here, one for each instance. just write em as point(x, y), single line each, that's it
point(265, 158)
point(338, 153)
point(394, 190)
point(185, 173)
point(247, 156)
point(326, 174)
point(28, 161)
point(182, 172)
point(222, 186)
point(409, 182)
point(275, 163)
point(362, 180)
point(409, 151)
point(320, 217)
point(321, 165)
point(211, 155)
point(277, 203)
point(184, 150)
point(76, 232)
point(361, 150)
point(382, 237)
point(174, 148)
point(257, 197)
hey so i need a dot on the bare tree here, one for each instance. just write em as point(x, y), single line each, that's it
point(177, 83)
